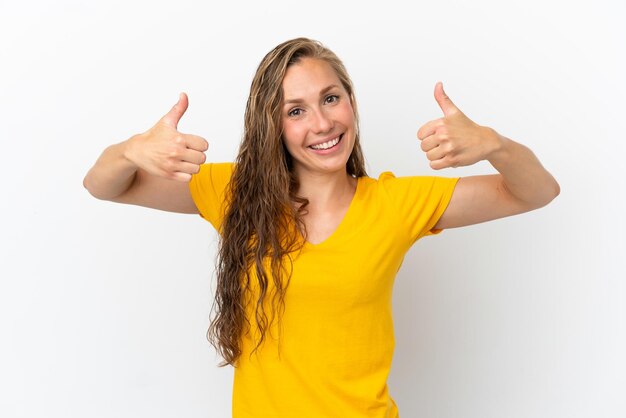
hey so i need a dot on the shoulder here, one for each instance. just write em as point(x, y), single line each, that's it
point(214, 174)
point(388, 182)
point(208, 189)
point(412, 203)
point(215, 169)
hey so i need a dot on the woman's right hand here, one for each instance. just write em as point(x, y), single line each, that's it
point(164, 151)
point(152, 169)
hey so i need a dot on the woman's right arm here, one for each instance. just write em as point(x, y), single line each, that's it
point(151, 169)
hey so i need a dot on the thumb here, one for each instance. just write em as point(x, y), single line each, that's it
point(173, 116)
point(444, 101)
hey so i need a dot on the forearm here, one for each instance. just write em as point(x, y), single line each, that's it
point(112, 174)
point(522, 173)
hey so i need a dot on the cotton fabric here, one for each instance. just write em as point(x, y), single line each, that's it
point(332, 353)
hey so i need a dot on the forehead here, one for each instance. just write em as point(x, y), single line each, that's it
point(307, 78)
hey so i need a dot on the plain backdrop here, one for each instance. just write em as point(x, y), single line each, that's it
point(104, 307)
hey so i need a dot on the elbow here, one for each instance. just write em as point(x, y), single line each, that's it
point(86, 182)
point(557, 189)
point(542, 197)
point(87, 185)
point(551, 193)
point(91, 187)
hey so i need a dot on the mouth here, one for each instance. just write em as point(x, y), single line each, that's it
point(325, 146)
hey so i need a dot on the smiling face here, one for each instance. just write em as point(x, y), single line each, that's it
point(317, 117)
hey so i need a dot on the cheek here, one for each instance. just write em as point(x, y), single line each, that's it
point(347, 114)
point(292, 135)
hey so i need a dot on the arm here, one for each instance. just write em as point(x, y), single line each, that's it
point(152, 169)
point(522, 185)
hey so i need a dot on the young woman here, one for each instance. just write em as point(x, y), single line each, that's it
point(310, 244)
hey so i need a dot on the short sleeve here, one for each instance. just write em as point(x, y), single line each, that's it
point(208, 191)
point(419, 201)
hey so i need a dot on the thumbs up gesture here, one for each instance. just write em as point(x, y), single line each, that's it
point(454, 140)
point(164, 151)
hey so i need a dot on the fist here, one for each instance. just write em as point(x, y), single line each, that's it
point(454, 140)
point(164, 151)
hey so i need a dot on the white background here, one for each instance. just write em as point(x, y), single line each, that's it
point(104, 307)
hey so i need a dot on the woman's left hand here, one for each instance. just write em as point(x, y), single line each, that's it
point(455, 140)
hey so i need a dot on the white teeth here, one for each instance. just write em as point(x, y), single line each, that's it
point(326, 145)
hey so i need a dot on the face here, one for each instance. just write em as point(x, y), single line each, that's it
point(317, 118)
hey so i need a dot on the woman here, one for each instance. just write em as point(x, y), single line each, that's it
point(297, 211)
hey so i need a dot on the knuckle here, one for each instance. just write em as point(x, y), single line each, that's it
point(168, 174)
point(182, 177)
point(168, 165)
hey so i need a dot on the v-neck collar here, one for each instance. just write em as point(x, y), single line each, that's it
point(342, 224)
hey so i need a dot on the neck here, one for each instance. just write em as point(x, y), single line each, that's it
point(326, 190)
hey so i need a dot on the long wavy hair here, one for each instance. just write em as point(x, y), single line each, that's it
point(264, 216)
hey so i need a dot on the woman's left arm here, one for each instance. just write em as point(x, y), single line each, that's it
point(454, 141)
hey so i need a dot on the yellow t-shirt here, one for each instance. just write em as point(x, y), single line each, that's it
point(336, 337)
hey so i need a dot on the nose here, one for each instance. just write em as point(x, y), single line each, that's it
point(322, 122)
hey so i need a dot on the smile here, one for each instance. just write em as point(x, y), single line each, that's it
point(327, 145)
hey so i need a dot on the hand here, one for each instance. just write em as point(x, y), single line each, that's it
point(165, 152)
point(454, 140)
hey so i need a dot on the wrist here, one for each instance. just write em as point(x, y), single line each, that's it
point(126, 150)
point(498, 146)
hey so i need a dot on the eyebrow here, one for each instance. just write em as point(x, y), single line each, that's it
point(322, 92)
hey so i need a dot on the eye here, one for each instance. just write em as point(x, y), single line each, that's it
point(331, 99)
point(294, 112)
